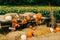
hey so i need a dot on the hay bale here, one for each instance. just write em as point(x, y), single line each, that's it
point(13, 14)
point(2, 37)
point(9, 16)
point(21, 15)
point(1, 17)
point(29, 13)
point(41, 31)
point(14, 35)
point(27, 29)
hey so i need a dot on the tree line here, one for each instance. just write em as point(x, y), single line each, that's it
point(30, 2)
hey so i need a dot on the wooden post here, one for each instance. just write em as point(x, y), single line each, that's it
point(53, 20)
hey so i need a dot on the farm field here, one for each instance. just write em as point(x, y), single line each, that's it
point(41, 32)
point(29, 19)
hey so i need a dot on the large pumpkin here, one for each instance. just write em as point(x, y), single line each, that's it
point(58, 29)
point(39, 15)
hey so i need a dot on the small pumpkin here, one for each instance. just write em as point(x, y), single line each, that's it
point(23, 21)
point(28, 18)
point(30, 27)
point(33, 28)
point(29, 34)
point(39, 15)
point(14, 23)
point(55, 31)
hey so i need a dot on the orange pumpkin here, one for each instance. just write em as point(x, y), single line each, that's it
point(39, 15)
point(33, 28)
point(58, 29)
point(23, 21)
point(55, 31)
point(30, 27)
point(36, 21)
point(29, 34)
point(14, 22)
point(28, 18)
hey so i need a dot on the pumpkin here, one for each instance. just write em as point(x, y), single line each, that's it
point(36, 20)
point(29, 34)
point(14, 23)
point(33, 28)
point(39, 15)
point(30, 27)
point(55, 31)
point(23, 21)
point(58, 29)
point(28, 18)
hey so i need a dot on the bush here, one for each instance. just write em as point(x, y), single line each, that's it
point(45, 13)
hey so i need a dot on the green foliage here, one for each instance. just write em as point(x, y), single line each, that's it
point(45, 13)
point(57, 14)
